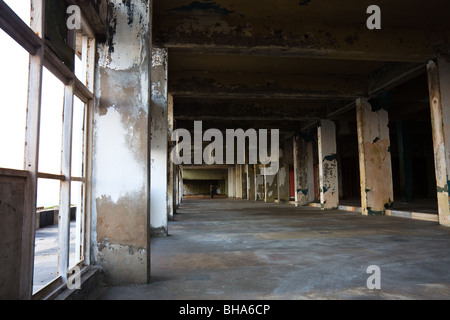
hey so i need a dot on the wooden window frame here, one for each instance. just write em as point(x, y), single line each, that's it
point(30, 38)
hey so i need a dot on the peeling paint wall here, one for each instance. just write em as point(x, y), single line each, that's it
point(120, 180)
point(328, 174)
point(283, 175)
point(251, 182)
point(271, 188)
point(439, 83)
point(159, 142)
point(301, 172)
point(374, 159)
point(259, 184)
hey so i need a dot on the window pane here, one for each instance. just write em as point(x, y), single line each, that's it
point(78, 137)
point(46, 239)
point(51, 124)
point(76, 223)
point(22, 8)
point(13, 103)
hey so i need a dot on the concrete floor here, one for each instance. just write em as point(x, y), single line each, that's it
point(237, 249)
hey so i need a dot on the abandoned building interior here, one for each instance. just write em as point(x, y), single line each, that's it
point(107, 87)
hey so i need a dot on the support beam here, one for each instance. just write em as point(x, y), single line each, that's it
point(374, 158)
point(121, 162)
point(259, 86)
point(159, 143)
point(260, 185)
point(283, 185)
point(271, 189)
point(251, 183)
point(301, 172)
point(199, 34)
point(171, 207)
point(439, 90)
point(328, 171)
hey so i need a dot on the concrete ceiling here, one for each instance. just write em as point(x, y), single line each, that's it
point(287, 63)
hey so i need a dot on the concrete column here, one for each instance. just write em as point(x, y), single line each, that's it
point(171, 208)
point(238, 181)
point(121, 165)
point(310, 169)
point(439, 89)
point(230, 183)
point(283, 176)
point(328, 174)
point(159, 143)
point(374, 158)
point(259, 184)
point(270, 187)
point(251, 182)
point(244, 168)
point(301, 172)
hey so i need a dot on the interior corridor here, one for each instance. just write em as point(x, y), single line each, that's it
point(240, 249)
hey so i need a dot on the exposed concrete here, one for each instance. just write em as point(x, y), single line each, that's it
point(171, 205)
point(328, 175)
point(120, 178)
point(251, 182)
point(374, 158)
point(301, 172)
point(271, 189)
point(283, 173)
point(159, 143)
point(260, 184)
point(288, 252)
point(439, 84)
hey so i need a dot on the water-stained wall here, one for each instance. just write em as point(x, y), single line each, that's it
point(120, 179)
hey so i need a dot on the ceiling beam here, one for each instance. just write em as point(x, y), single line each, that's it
point(268, 86)
point(221, 35)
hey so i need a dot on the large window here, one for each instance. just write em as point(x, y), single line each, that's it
point(45, 113)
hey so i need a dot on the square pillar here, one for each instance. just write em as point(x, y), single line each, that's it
point(159, 143)
point(260, 184)
point(310, 169)
point(439, 90)
point(120, 237)
point(171, 207)
point(374, 158)
point(301, 172)
point(251, 182)
point(328, 170)
point(283, 186)
point(271, 189)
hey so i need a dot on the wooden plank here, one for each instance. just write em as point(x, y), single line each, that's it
point(51, 176)
point(17, 29)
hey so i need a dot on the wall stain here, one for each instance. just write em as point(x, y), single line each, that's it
point(211, 7)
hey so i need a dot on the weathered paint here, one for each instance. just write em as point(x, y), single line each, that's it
point(328, 173)
point(120, 188)
point(259, 184)
point(301, 171)
point(374, 158)
point(439, 84)
point(271, 190)
point(251, 182)
point(159, 143)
